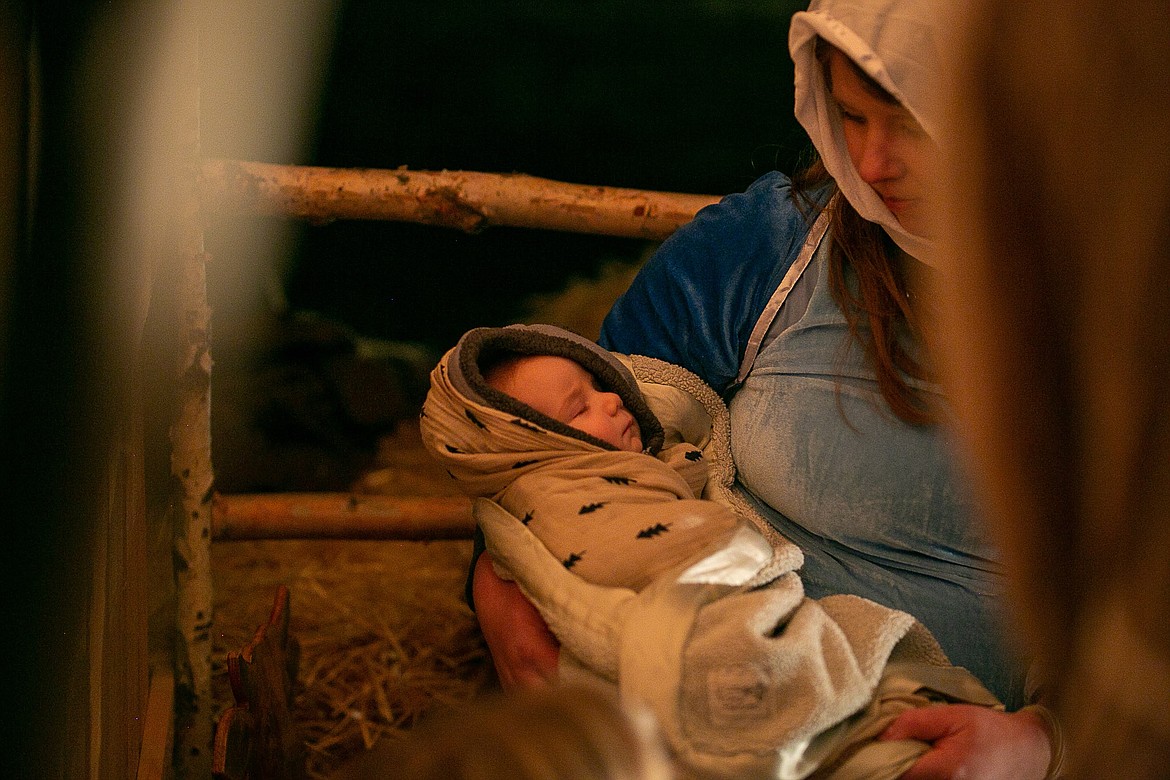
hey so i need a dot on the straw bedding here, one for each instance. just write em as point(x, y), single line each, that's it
point(384, 632)
point(385, 635)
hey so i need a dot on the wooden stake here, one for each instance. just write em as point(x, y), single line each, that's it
point(339, 516)
point(154, 759)
point(190, 437)
point(465, 200)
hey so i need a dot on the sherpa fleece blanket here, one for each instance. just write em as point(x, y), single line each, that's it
point(711, 630)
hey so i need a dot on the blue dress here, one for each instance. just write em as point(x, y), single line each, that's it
point(874, 503)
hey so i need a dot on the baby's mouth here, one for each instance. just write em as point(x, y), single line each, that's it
point(633, 430)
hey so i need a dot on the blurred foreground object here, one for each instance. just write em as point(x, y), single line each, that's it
point(573, 732)
point(1057, 337)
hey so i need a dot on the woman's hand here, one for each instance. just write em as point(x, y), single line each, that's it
point(971, 741)
point(524, 651)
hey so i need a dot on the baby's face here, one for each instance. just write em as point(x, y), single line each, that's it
point(566, 392)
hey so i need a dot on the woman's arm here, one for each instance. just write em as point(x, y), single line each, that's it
point(523, 650)
point(971, 741)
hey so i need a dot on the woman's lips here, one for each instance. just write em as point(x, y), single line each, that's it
point(894, 204)
point(897, 205)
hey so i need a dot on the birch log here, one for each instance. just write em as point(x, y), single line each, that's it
point(465, 200)
point(340, 516)
point(190, 434)
point(191, 466)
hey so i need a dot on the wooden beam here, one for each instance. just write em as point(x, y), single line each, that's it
point(339, 516)
point(190, 432)
point(464, 200)
point(154, 757)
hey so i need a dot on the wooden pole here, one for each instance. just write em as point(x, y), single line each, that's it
point(339, 516)
point(465, 200)
point(190, 437)
point(154, 759)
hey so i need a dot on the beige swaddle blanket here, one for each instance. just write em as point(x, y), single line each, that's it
point(691, 607)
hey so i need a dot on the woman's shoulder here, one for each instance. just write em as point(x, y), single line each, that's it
point(775, 182)
point(770, 195)
point(737, 250)
point(758, 224)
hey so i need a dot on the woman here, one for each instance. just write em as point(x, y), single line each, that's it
point(795, 302)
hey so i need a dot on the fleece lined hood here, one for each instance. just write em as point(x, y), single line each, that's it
point(895, 42)
point(482, 346)
point(486, 439)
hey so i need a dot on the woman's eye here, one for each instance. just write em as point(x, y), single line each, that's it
point(912, 129)
point(851, 117)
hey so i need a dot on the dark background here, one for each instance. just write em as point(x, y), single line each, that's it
point(681, 95)
point(666, 94)
point(676, 95)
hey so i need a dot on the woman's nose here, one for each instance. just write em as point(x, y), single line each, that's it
point(879, 159)
point(612, 402)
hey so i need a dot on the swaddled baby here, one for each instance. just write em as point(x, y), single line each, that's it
point(698, 616)
point(556, 431)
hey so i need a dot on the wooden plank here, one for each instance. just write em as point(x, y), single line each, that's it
point(154, 758)
point(119, 665)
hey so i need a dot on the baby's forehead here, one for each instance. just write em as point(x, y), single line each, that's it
point(512, 362)
point(560, 360)
point(521, 374)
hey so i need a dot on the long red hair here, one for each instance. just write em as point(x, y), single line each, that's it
point(869, 284)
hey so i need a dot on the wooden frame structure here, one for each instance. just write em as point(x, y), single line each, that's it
point(124, 700)
point(467, 201)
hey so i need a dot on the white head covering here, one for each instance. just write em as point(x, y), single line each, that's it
point(893, 41)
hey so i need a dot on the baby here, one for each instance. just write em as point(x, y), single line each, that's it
point(578, 455)
point(676, 599)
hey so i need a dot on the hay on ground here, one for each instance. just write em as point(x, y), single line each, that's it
point(385, 634)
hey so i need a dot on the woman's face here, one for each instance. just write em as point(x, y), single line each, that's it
point(889, 149)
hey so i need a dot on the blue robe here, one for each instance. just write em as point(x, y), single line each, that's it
point(875, 504)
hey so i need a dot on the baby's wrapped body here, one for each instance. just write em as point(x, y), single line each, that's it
point(690, 605)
